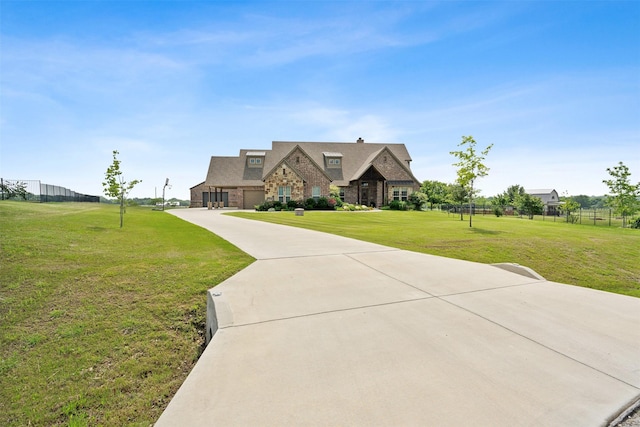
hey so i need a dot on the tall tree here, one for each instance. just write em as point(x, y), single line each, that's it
point(499, 203)
point(583, 200)
point(11, 189)
point(624, 195)
point(115, 185)
point(529, 205)
point(470, 166)
point(513, 192)
point(436, 192)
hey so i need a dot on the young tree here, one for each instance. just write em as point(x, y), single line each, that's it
point(436, 192)
point(624, 197)
point(470, 166)
point(115, 185)
point(457, 194)
point(568, 206)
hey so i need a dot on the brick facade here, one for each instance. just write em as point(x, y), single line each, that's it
point(196, 195)
point(387, 165)
point(313, 175)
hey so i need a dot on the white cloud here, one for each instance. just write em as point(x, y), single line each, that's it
point(344, 125)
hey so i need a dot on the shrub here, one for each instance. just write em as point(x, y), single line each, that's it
point(270, 204)
point(498, 211)
point(264, 206)
point(291, 205)
point(572, 218)
point(418, 200)
point(398, 205)
point(322, 203)
point(310, 204)
point(350, 207)
point(635, 223)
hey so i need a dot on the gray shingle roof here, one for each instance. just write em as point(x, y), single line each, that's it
point(547, 195)
point(356, 158)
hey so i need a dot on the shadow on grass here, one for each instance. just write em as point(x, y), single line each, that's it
point(484, 231)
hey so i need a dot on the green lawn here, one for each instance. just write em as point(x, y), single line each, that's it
point(100, 325)
point(606, 258)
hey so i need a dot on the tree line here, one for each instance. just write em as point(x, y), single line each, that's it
point(624, 197)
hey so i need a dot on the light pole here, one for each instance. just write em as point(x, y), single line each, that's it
point(166, 183)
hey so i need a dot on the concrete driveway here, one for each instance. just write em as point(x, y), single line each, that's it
point(323, 331)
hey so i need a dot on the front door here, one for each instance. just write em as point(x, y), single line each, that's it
point(364, 196)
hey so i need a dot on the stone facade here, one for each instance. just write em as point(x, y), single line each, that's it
point(284, 176)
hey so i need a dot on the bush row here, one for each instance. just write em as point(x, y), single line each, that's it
point(322, 203)
point(331, 203)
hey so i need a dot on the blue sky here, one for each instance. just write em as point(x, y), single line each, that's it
point(554, 85)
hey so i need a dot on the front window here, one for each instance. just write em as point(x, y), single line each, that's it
point(315, 192)
point(284, 194)
point(400, 193)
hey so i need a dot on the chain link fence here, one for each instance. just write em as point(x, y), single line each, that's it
point(35, 191)
point(587, 216)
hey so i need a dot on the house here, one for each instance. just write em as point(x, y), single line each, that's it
point(549, 198)
point(366, 173)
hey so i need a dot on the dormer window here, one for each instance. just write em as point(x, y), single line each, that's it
point(333, 160)
point(255, 159)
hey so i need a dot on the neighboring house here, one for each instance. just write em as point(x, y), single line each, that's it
point(549, 198)
point(367, 174)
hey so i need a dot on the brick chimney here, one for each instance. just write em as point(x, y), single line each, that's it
point(360, 141)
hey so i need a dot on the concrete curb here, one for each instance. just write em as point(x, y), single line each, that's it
point(519, 269)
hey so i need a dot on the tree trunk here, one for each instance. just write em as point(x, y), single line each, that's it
point(121, 209)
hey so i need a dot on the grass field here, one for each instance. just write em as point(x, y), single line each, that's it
point(100, 325)
point(606, 258)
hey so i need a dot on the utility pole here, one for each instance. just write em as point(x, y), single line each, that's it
point(163, 188)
